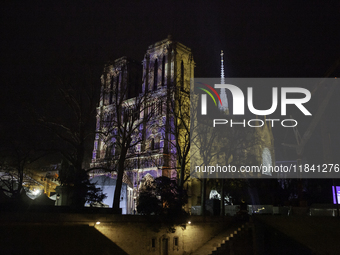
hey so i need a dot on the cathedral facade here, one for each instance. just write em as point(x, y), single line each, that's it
point(147, 96)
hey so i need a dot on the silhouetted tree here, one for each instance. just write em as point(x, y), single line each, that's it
point(20, 148)
point(164, 198)
point(84, 191)
point(71, 127)
point(224, 145)
point(123, 129)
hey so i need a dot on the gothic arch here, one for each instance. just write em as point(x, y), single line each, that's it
point(146, 181)
point(155, 75)
point(163, 71)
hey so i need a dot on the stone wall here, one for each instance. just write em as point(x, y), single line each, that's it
point(133, 234)
point(141, 238)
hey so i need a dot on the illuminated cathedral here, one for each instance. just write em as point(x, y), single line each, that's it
point(163, 78)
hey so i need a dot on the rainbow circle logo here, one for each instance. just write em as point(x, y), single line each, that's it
point(208, 92)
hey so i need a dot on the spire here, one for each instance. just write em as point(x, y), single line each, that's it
point(222, 68)
point(223, 94)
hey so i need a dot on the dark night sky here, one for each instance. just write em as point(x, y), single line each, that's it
point(259, 38)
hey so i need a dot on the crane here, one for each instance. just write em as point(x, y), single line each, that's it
point(302, 141)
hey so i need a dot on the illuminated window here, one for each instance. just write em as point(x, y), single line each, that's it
point(163, 70)
point(111, 90)
point(155, 75)
point(152, 144)
point(124, 89)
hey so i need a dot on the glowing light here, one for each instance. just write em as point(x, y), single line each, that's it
point(98, 222)
point(336, 194)
point(214, 194)
point(189, 222)
point(36, 192)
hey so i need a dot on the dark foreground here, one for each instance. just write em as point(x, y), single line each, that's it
point(69, 234)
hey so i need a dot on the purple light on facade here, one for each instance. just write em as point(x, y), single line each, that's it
point(336, 193)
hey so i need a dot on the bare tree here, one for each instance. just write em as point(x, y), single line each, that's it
point(71, 124)
point(20, 148)
point(205, 141)
point(179, 131)
point(14, 168)
point(234, 146)
point(122, 129)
